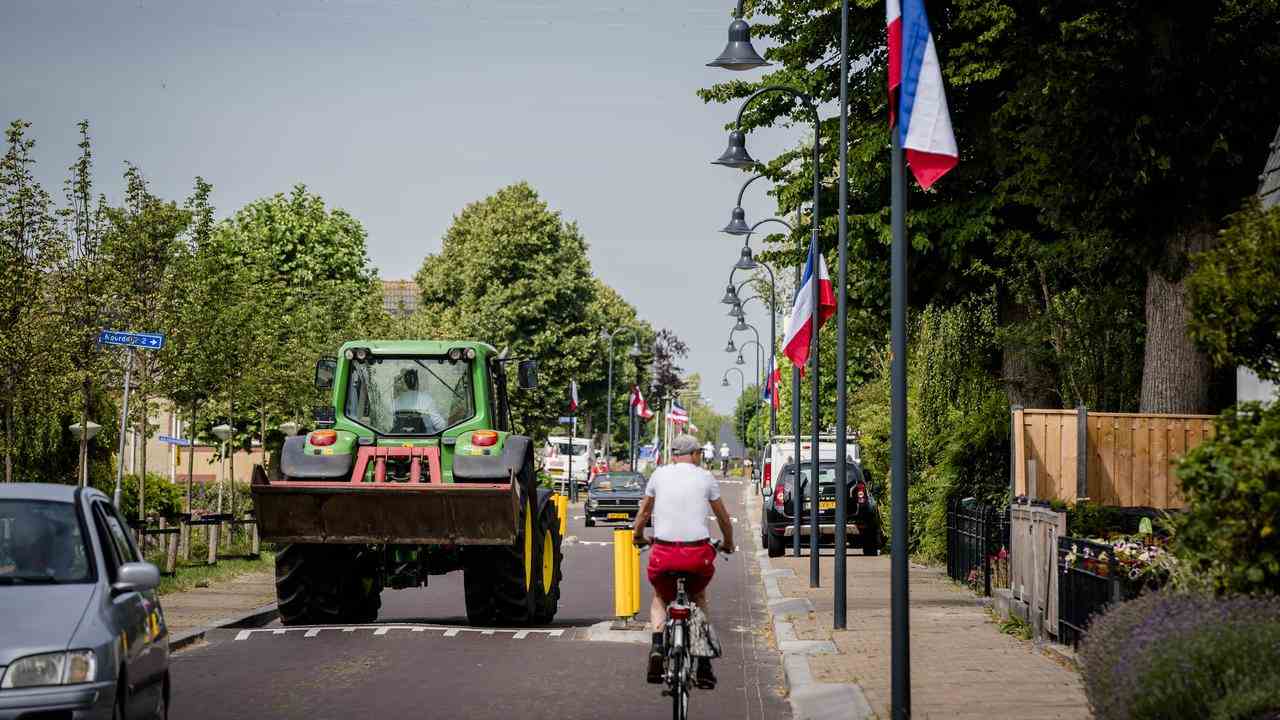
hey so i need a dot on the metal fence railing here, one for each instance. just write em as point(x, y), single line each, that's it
point(223, 536)
point(1089, 580)
point(977, 545)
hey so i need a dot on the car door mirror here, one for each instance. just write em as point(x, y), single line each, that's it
point(527, 372)
point(326, 370)
point(136, 577)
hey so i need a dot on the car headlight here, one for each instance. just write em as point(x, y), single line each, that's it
point(60, 668)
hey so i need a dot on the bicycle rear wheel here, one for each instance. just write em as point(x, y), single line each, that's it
point(679, 687)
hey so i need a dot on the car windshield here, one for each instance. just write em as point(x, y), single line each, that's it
point(564, 448)
point(618, 483)
point(409, 396)
point(41, 542)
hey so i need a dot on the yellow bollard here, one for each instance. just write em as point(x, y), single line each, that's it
point(622, 550)
point(635, 575)
point(562, 509)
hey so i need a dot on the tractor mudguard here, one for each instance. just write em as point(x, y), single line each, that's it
point(493, 468)
point(544, 497)
point(296, 462)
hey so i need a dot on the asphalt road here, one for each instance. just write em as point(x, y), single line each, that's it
point(422, 660)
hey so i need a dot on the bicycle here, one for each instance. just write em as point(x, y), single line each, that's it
point(678, 665)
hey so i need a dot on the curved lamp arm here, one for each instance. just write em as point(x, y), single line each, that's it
point(743, 189)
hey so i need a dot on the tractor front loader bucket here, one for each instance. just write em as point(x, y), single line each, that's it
point(413, 512)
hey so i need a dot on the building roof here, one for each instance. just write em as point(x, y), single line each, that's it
point(1269, 180)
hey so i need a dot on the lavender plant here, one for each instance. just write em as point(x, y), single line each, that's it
point(1168, 655)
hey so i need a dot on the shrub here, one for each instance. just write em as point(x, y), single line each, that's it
point(163, 498)
point(1229, 534)
point(1167, 655)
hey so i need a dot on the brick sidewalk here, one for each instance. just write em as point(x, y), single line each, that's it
point(962, 666)
point(202, 607)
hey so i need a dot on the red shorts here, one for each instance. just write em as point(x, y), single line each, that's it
point(699, 561)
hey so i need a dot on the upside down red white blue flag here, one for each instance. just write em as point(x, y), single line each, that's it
point(799, 330)
point(917, 100)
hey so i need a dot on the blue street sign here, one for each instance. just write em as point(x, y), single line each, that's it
point(170, 440)
point(566, 420)
point(146, 341)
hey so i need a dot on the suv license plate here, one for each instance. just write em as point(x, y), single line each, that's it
point(618, 516)
point(826, 504)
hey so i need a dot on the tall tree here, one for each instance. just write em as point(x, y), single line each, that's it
point(142, 249)
point(513, 273)
point(28, 252)
point(1084, 163)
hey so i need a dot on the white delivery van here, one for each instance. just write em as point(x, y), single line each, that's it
point(558, 451)
point(781, 451)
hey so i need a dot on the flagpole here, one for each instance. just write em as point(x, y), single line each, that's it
point(815, 534)
point(797, 500)
point(842, 485)
point(899, 630)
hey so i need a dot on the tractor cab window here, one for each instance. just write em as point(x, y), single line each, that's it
point(409, 396)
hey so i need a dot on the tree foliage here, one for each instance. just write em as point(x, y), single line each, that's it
point(1235, 293)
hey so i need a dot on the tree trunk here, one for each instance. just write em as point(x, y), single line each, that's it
point(1026, 382)
point(1175, 374)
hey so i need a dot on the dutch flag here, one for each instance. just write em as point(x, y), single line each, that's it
point(771, 384)
point(917, 99)
point(799, 331)
point(573, 396)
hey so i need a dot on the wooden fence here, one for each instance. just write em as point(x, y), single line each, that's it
point(1033, 553)
point(1120, 459)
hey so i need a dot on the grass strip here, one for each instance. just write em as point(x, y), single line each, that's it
point(188, 577)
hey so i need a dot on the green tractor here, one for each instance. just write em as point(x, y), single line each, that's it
point(415, 472)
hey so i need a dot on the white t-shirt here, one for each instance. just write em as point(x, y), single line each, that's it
point(724, 451)
point(682, 495)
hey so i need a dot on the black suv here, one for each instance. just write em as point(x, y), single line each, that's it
point(862, 527)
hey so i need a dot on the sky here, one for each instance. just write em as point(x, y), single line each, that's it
point(403, 111)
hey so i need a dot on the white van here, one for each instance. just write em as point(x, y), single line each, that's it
point(556, 461)
point(782, 450)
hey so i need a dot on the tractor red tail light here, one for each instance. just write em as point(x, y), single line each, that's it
point(768, 474)
point(678, 612)
point(484, 438)
point(322, 438)
point(779, 498)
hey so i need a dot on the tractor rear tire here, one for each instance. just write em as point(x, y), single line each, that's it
point(326, 584)
point(498, 585)
point(547, 569)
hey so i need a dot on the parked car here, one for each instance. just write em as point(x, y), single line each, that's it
point(614, 497)
point(82, 634)
point(863, 526)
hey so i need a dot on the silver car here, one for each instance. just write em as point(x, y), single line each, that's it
point(81, 630)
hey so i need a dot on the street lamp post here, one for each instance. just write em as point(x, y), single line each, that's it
point(742, 390)
point(736, 156)
point(89, 431)
point(608, 412)
point(224, 433)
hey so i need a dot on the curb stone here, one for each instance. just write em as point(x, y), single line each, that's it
point(809, 700)
point(254, 618)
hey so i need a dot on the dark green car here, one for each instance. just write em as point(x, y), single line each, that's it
point(614, 497)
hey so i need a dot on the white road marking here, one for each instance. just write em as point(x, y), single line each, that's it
point(310, 632)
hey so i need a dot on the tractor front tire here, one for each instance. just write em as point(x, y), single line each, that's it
point(547, 572)
point(498, 582)
point(325, 584)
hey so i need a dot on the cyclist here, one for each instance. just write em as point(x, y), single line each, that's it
point(677, 498)
point(724, 459)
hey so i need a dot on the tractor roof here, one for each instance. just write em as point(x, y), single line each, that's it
point(417, 347)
